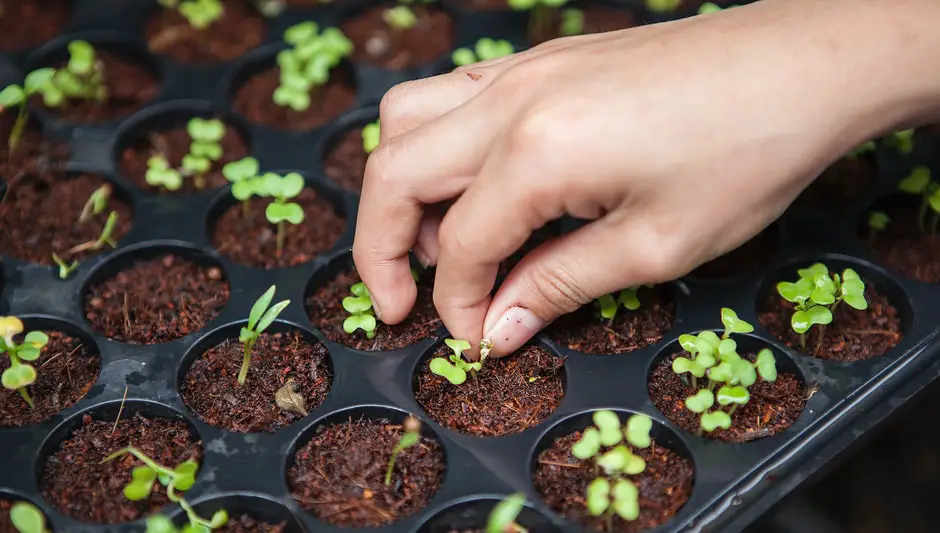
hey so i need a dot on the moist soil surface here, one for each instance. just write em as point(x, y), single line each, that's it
point(39, 216)
point(748, 257)
point(252, 241)
point(773, 407)
point(500, 399)
point(562, 480)
point(346, 163)
point(585, 331)
point(597, 19)
point(65, 371)
point(325, 309)
point(376, 43)
point(130, 85)
point(156, 300)
point(34, 153)
point(240, 29)
point(211, 388)
point(173, 144)
point(902, 246)
point(339, 476)
point(840, 186)
point(28, 23)
point(852, 335)
point(77, 484)
point(246, 524)
point(253, 100)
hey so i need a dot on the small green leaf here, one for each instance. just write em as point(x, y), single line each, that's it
point(766, 365)
point(11, 96)
point(797, 293)
point(137, 490)
point(245, 335)
point(714, 420)
point(301, 33)
point(638, 431)
point(159, 523)
point(701, 401)
point(813, 272)
point(681, 365)
point(257, 309)
point(206, 130)
point(206, 149)
point(463, 56)
point(370, 136)
point(878, 220)
point(572, 22)
point(853, 290)
point(284, 212)
point(400, 17)
point(917, 181)
point(608, 306)
point(458, 347)
point(219, 519)
point(82, 57)
point(357, 304)
point(744, 373)
point(271, 315)
point(442, 367)
point(36, 339)
point(723, 373)
point(708, 7)
point(18, 375)
point(291, 185)
point(240, 170)
point(196, 165)
point(688, 343)
point(728, 349)
point(802, 320)
point(27, 518)
point(629, 300)
point(38, 79)
point(733, 324)
point(626, 500)
point(504, 513)
point(366, 323)
point(598, 496)
point(244, 189)
point(608, 423)
point(733, 395)
point(588, 445)
point(613, 460)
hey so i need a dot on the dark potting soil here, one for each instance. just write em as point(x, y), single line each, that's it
point(345, 165)
point(339, 476)
point(773, 407)
point(500, 399)
point(211, 387)
point(597, 19)
point(538, 238)
point(78, 484)
point(664, 486)
point(852, 335)
point(130, 85)
point(585, 331)
point(745, 258)
point(173, 144)
point(39, 216)
point(254, 101)
point(156, 300)
point(483, 5)
point(378, 44)
point(6, 526)
point(247, 524)
point(841, 185)
point(252, 241)
point(28, 23)
point(325, 309)
point(240, 29)
point(902, 245)
point(34, 153)
point(65, 371)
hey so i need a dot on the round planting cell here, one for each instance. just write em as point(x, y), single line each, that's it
point(289, 375)
point(470, 516)
point(338, 467)
point(239, 29)
point(73, 478)
point(29, 23)
point(377, 43)
point(246, 513)
point(841, 185)
point(744, 259)
point(908, 242)
point(561, 479)
point(33, 152)
point(154, 293)
point(344, 161)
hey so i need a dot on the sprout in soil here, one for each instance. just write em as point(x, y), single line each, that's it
point(65, 269)
point(920, 182)
point(27, 518)
point(572, 22)
point(104, 239)
point(409, 438)
point(20, 374)
point(159, 174)
point(400, 18)
point(542, 13)
point(199, 13)
point(281, 210)
point(706, 348)
point(455, 370)
point(244, 177)
point(502, 518)
point(816, 294)
point(610, 447)
point(663, 6)
point(370, 136)
point(902, 140)
point(609, 304)
point(485, 49)
point(176, 480)
point(36, 82)
point(204, 149)
point(359, 307)
point(260, 317)
point(305, 66)
point(96, 204)
point(877, 221)
point(84, 76)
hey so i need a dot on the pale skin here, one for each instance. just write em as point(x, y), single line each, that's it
point(677, 142)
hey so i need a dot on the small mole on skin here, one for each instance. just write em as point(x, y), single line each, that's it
point(474, 76)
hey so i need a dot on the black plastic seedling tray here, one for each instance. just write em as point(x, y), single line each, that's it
point(247, 472)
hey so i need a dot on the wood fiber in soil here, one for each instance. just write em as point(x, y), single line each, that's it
point(240, 30)
point(746, 258)
point(253, 101)
point(156, 300)
point(902, 246)
point(773, 407)
point(211, 387)
point(66, 370)
point(28, 23)
point(325, 309)
point(499, 400)
point(586, 332)
point(130, 86)
point(378, 44)
point(34, 153)
point(174, 145)
point(841, 185)
point(247, 524)
point(339, 476)
point(39, 216)
point(665, 485)
point(346, 163)
point(597, 19)
point(852, 335)
point(77, 484)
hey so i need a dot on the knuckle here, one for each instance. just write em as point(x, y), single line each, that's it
point(557, 289)
point(452, 240)
point(393, 103)
point(376, 171)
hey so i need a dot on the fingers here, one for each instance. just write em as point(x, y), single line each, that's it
point(426, 249)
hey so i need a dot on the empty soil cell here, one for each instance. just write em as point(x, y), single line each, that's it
point(240, 29)
point(841, 185)
point(339, 475)
point(129, 84)
point(254, 101)
point(378, 44)
point(76, 482)
point(39, 216)
point(326, 312)
point(173, 144)
point(852, 336)
point(156, 300)
point(597, 19)
point(902, 245)
point(211, 388)
point(66, 369)
point(252, 240)
point(585, 330)
point(246, 524)
point(772, 408)
point(33, 153)
point(664, 486)
point(508, 395)
point(346, 163)
point(746, 258)
point(28, 23)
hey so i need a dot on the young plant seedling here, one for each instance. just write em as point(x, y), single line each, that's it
point(27, 518)
point(306, 65)
point(83, 77)
point(707, 349)
point(281, 210)
point(409, 438)
point(455, 370)
point(920, 182)
point(243, 174)
point(862, 149)
point(877, 221)
point(816, 294)
point(711, 7)
point(20, 374)
point(370, 136)
point(572, 22)
point(663, 6)
point(96, 204)
point(36, 82)
point(359, 306)
point(65, 268)
point(902, 140)
point(159, 174)
point(542, 13)
point(502, 518)
point(199, 13)
point(205, 148)
point(485, 49)
point(609, 304)
point(260, 317)
point(400, 18)
point(105, 239)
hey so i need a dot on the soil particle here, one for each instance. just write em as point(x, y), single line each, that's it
point(746, 258)
point(902, 245)
point(253, 100)
point(29, 23)
point(346, 162)
point(246, 524)
point(240, 29)
point(378, 44)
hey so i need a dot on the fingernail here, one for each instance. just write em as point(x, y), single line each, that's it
point(513, 329)
point(422, 256)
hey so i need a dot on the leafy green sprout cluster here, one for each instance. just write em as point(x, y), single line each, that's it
point(502, 518)
point(83, 77)
point(410, 437)
point(306, 65)
point(572, 22)
point(454, 368)
point(176, 480)
point(401, 17)
point(27, 518)
point(281, 189)
point(260, 318)
point(361, 313)
point(370, 136)
point(204, 149)
point(199, 13)
point(541, 15)
point(20, 374)
point(39, 81)
point(608, 445)
point(816, 294)
point(95, 205)
point(877, 222)
point(484, 50)
point(610, 304)
point(920, 182)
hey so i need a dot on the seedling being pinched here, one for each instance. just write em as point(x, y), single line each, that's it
point(502, 518)
point(455, 369)
point(261, 316)
point(920, 182)
point(485, 49)
point(20, 374)
point(205, 148)
point(306, 65)
point(27, 518)
point(36, 82)
point(411, 437)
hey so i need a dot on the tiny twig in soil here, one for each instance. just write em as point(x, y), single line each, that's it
point(120, 410)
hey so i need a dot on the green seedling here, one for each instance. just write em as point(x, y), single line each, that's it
point(816, 294)
point(400, 18)
point(244, 177)
point(663, 6)
point(455, 369)
point(609, 304)
point(204, 149)
point(877, 221)
point(370, 136)
point(199, 13)
point(27, 518)
point(83, 77)
point(306, 65)
point(36, 82)
point(410, 437)
point(65, 269)
point(485, 49)
point(902, 140)
point(862, 149)
point(260, 317)
point(159, 174)
point(281, 210)
point(502, 518)
point(711, 7)
point(105, 239)
point(707, 349)
point(920, 182)
point(572, 22)
point(542, 13)
point(96, 204)
point(20, 374)
point(361, 314)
